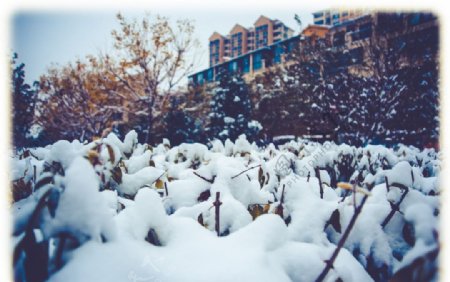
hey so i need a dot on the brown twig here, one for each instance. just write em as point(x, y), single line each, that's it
point(394, 208)
point(217, 204)
point(279, 208)
point(354, 196)
point(233, 177)
point(320, 182)
point(165, 188)
point(329, 263)
point(204, 178)
point(34, 176)
point(387, 183)
point(159, 177)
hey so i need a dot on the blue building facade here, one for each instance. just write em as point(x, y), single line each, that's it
point(250, 63)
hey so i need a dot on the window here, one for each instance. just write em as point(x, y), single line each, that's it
point(236, 44)
point(246, 64)
point(261, 36)
point(232, 66)
point(210, 75)
point(279, 50)
point(318, 15)
point(200, 79)
point(257, 61)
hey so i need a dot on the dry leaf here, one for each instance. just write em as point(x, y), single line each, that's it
point(159, 184)
point(93, 157)
point(112, 157)
point(345, 185)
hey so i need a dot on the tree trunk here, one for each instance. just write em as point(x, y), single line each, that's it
point(149, 123)
point(151, 102)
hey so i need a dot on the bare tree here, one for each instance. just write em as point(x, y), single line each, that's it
point(153, 57)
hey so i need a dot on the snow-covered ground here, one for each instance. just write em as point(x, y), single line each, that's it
point(115, 210)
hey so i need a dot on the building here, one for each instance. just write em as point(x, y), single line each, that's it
point(355, 38)
point(351, 43)
point(318, 31)
point(335, 16)
point(242, 40)
point(250, 63)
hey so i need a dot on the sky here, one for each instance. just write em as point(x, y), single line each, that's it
point(45, 38)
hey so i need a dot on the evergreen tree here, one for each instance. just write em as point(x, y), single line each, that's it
point(231, 109)
point(181, 127)
point(23, 103)
point(389, 95)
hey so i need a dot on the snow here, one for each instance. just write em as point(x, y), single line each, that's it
point(184, 192)
point(228, 120)
point(136, 163)
point(255, 124)
point(81, 200)
point(141, 213)
point(127, 145)
point(401, 173)
point(131, 183)
point(62, 152)
point(148, 212)
point(421, 215)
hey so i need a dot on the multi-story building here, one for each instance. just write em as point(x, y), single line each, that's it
point(249, 63)
point(350, 42)
point(354, 40)
point(318, 31)
point(242, 40)
point(335, 16)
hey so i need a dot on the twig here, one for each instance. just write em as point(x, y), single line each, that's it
point(159, 177)
point(387, 183)
point(165, 188)
point(394, 208)
point(354, 196)
point(279, 208)
point(217, 204)
point(348, 229)
point(320, 182)
point(204, 178)
point(34, 176)
point(233, 177)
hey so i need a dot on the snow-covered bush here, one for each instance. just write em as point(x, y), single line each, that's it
point(113, 210)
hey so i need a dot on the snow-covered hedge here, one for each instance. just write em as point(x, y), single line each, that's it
point(115, 210)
